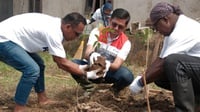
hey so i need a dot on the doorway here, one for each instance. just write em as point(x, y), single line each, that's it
point(93, 5)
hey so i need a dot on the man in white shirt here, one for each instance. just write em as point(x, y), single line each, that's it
point(115, 46)
point(178, 66)
point(102, 14)
point(22, 36)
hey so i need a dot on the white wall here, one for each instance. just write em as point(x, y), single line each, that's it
point(140, 9)
point(57, 8)
point(62, 7)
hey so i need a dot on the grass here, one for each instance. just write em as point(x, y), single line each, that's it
point(54, 77)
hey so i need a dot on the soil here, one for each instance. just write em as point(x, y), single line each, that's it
point(101, 100)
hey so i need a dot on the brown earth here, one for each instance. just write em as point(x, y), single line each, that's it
point(102, 100)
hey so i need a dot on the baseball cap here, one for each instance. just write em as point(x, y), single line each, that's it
point(161, 10)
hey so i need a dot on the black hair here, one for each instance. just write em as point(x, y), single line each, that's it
point(74, 19)
point(121, 14)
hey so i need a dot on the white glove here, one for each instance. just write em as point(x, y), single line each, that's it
point(135, 86)
point(92, 74)
point(83, 67)
point(107, 68)
point(93, 57)
point(88, 21)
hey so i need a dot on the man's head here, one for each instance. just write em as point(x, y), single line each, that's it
point(72, 25)
point(119, 20)
point(164, 16)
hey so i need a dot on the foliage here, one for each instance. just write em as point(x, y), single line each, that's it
point(103, 31)
point(144, 34)
point(83, 36)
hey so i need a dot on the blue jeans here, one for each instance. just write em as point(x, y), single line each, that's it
point(30, 64)
point(120, 78)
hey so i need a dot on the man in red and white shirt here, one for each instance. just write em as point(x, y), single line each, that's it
point(115, 47)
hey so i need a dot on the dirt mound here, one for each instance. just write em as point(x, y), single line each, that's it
point(101, 100)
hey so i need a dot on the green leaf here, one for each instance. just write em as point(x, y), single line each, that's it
point(96, 36)
point(95, 43)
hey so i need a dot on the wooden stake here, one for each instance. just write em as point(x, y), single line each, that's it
point(144, 76)
point(79, 52)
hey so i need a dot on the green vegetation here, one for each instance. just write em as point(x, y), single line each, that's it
point(54, 77)
point(144, 34)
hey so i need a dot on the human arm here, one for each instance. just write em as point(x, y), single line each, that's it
point(90, 44)
point(154, 72)
point(74, 68)
point(121, 55)
point(88, 51)
point(68, 65)
point(91, 21)
point(95, 15)
point(116, 63)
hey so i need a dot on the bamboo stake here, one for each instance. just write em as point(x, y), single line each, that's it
point(144, 76)
point(79, 52)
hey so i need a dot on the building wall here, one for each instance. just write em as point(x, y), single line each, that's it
point(140, 9)
point(57, 8)
point(61, 7)
point(20, 6)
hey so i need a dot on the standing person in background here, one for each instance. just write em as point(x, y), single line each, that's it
point(102, 14)
point(22, 36)
point(115, 47)
point(178, 66)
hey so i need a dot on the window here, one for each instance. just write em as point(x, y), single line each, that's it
point(35, 5)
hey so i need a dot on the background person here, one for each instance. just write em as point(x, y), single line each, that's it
point(102, 14)
point(178, 66)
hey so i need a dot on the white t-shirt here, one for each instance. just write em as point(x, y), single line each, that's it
point(185, 38)
point(110, 52)
point(97, 16)
point(34, 32)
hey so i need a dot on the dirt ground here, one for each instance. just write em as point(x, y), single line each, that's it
point(61, 87)
point(101, 100)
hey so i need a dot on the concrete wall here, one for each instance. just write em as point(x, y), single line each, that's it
point(61, 7)
point(140, 9)
point(20, 6)
point(57, 8)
